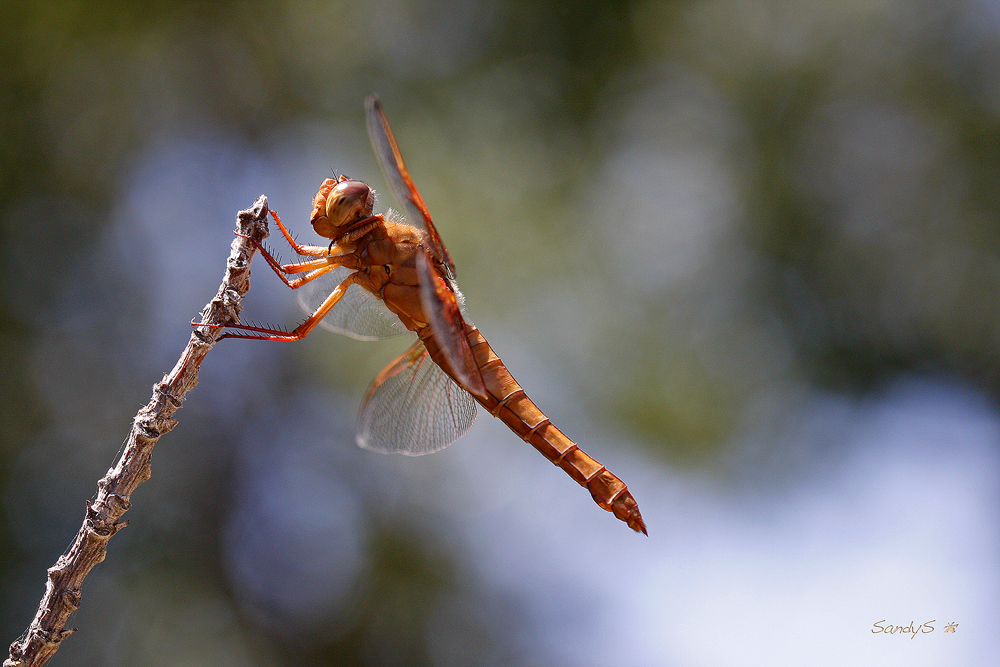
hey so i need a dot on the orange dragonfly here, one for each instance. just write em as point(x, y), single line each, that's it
point(381, 275)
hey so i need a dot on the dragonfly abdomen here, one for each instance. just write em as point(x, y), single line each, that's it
point(508, 402)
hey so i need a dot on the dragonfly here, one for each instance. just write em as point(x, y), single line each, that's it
point(381, 275)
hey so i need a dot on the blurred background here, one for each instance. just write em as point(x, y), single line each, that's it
point(747, 253)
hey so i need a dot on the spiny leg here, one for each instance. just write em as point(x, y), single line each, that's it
point(317, 266)
point(312, 268)
point(304, 250)
point(301, 331)
point(315, 269)
point(338, 246)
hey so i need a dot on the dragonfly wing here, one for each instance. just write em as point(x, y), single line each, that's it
point(398, 177)
point(413, 407)
point(359, 313)
point(445, 318)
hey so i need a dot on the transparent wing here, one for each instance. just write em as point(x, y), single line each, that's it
point(413, 407)
point(398, 177)
point(445, 319)
point(359, 313)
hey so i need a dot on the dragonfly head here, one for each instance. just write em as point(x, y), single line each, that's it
point(345, 202)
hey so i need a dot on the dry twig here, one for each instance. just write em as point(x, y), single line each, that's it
point(62, 591)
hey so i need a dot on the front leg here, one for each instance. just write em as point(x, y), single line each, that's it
point(332, 256)
point(304, 250)
point(343, 244)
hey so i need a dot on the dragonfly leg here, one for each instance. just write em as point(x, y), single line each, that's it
point(299, 332)
point(304, 250)
point(313, 268)
point(340, 245)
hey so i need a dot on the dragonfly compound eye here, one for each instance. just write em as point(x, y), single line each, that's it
point(348, 201)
